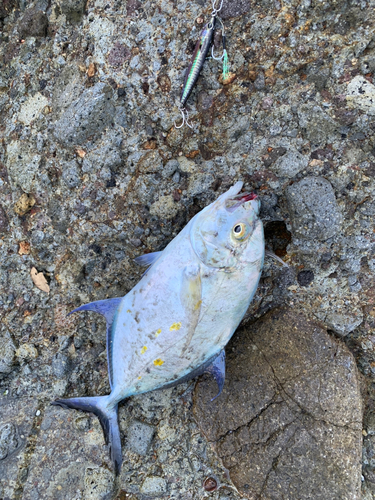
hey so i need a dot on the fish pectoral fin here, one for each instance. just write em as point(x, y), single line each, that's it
point(191, 299)
point(106, 308)
point(273, 256)
point(147, 259)
point(217, 370)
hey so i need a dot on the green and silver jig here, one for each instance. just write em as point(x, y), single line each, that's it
point(200, 53)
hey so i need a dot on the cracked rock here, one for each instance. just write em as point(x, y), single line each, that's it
point(288, 424)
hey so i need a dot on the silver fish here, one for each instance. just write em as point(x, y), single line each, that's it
point(174, 324)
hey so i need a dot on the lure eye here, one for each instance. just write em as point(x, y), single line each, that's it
point(239, 230)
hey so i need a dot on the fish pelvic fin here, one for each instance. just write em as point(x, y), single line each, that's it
point(108, 418)
point(217, 370)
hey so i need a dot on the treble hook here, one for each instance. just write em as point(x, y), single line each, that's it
point(185, 115)
point(214, 9)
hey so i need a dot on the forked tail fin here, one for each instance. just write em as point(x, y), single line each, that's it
point(107, 415)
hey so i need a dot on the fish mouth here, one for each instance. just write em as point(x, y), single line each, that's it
point(236, 201)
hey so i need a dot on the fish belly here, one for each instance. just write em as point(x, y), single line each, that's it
point(152, 343)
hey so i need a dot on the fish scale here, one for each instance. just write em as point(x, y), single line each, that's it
point(175, 323)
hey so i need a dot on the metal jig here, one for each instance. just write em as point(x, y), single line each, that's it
point(199, 56)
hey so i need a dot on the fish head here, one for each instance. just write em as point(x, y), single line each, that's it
point(229, 232)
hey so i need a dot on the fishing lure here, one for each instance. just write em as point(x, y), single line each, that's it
point(200, 53)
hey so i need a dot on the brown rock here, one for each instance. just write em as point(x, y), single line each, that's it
point(288, 424)
point(24, 204)
point(24, 248)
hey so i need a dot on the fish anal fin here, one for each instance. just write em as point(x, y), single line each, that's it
point(108, 419)
point(108, 309)
point(217, 370)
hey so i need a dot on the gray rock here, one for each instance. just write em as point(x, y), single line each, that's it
point(8, 440)
point(7, 353)
point(288, 424)
point(170, 168)
point(23, 166)
point(33, 23)
point(99, 483)
point(235, 8)
point(4, 224)
point(77, 460)
point(313, 209)
point(70, 175)
point(317, 125)
point(139, 437)
point(154, 486)
point(290, 164)
point(68, 87)
point(87, 117)
point(73, 8)
point(60, 365)
point(16, 422)
point(107, 155)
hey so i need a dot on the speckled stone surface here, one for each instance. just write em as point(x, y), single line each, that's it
point(298, 433)
point(93, 173)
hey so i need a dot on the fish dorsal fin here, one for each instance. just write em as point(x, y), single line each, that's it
point(147, 259)
point(108, 309)
point(217, 370)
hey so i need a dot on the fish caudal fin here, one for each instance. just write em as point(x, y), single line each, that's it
point(108, 418)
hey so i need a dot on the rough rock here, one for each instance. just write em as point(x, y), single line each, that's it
point(87, 117)
point(18, 421)
point(34, 22)
point(63, 475)
point(4, 224)
point(23, 166)
point(139, 437)
point(93, 173)
point(361, 95)
point(313, 208)
point(290, 164)
point(7, 352)
point(165, 207)
point(31, 108)
point(288, 423)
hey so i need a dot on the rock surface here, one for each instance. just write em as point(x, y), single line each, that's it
point(289, 421)
point(93, 173)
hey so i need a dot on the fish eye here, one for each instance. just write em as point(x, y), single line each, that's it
point(239, 230)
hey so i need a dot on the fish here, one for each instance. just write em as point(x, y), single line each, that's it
point(175, 323)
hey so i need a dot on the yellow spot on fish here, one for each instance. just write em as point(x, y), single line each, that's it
point(128, 311)
point(144, 349)
point(139, 378)
point(198, 304)
point(158, 332)
point(175, 326)
point(158, 362)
